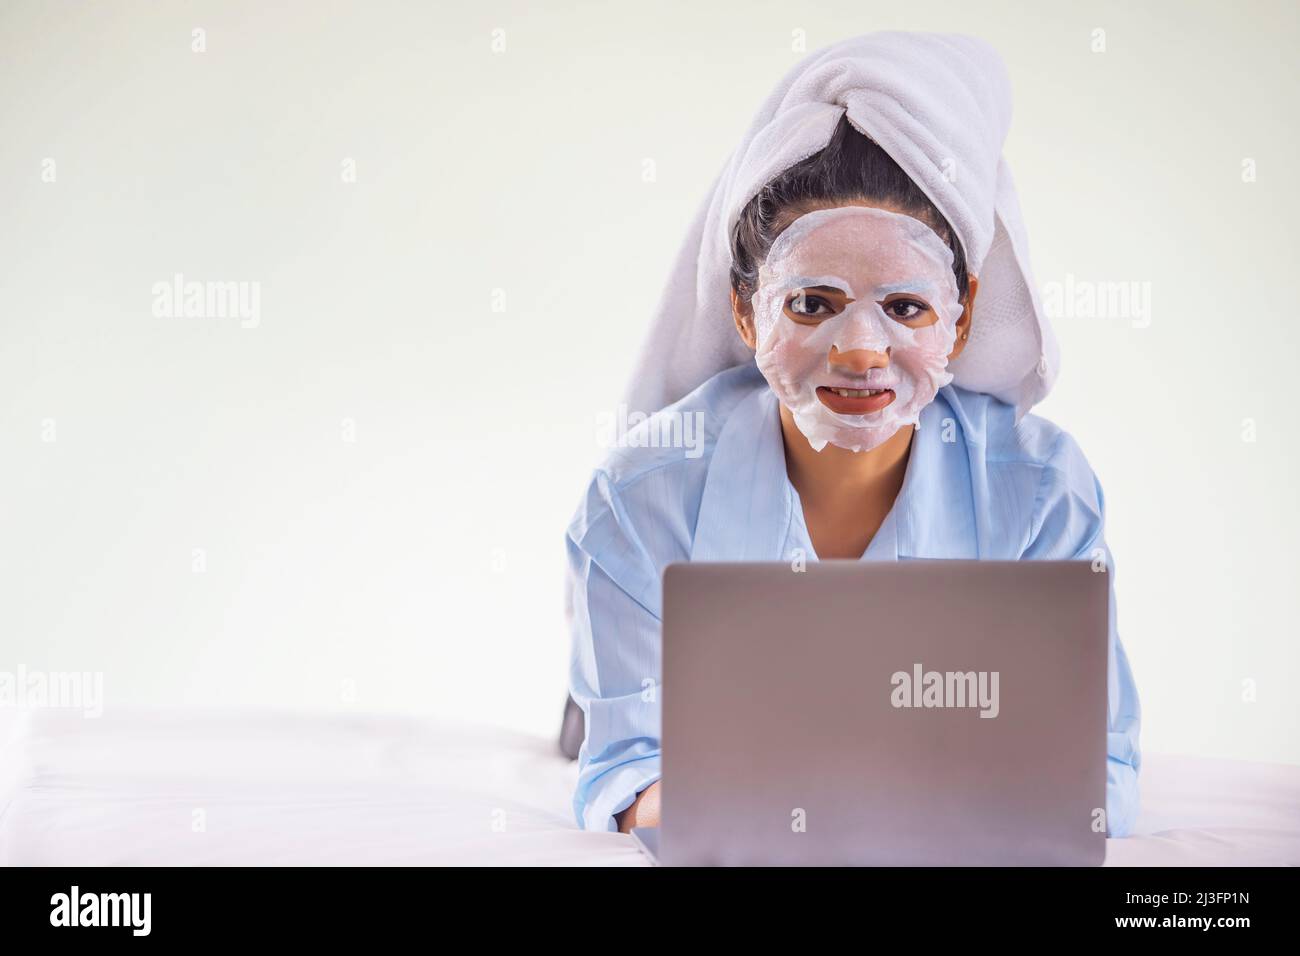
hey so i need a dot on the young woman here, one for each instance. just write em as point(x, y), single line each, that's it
point(864, 216)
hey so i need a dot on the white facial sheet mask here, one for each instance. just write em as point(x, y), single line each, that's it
point(869, 254)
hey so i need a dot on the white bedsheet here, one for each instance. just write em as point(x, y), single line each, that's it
point(180, 788)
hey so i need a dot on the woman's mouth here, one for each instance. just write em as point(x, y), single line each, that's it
point(854, 401)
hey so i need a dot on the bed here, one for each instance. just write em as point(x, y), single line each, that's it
point(180, 788)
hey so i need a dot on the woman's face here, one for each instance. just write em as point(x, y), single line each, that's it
point(854, 320)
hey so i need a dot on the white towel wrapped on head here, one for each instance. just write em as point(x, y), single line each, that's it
point(940, 106)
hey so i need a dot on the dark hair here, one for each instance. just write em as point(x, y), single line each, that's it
point(850, 168)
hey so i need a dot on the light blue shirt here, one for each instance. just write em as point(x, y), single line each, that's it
point(977, 485)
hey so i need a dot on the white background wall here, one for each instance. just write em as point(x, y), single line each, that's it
point(423, 561)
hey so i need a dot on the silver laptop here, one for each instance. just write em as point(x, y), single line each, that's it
point(909, 713)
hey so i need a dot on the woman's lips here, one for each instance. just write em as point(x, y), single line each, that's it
point(856, 402)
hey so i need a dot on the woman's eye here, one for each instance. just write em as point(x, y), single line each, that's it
point(905, 309)
point(813, 306)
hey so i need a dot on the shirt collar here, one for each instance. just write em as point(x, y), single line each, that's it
point(749, 509)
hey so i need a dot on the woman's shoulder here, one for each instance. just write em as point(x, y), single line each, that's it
point(1032, 441)
point(651, 481)
point(1036, 469)
point(678, 437)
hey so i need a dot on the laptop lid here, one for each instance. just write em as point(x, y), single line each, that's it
point(884, 713)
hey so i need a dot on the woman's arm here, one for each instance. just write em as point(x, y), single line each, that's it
point(615, 670)
point(1070, 520)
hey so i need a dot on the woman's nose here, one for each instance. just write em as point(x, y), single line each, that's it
point(857, 361)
